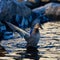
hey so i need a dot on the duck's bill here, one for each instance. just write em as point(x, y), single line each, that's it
point(40, 27)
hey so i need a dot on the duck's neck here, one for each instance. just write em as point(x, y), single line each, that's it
point(35, 31)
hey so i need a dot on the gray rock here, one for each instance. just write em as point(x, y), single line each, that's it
point(52, 9)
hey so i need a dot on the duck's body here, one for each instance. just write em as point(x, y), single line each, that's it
point(33, 39)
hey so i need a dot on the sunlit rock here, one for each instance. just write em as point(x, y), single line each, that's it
point(52, 9)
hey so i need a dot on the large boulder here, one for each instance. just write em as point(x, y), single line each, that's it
point(9, 8)
point(52, 9)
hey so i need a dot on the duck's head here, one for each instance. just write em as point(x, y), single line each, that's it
point(38, 26)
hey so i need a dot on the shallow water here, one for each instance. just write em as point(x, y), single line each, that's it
point(49, 45)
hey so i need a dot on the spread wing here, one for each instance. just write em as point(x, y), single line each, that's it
point(17, 29)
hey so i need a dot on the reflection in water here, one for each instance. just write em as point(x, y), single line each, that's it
point(30, 54)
